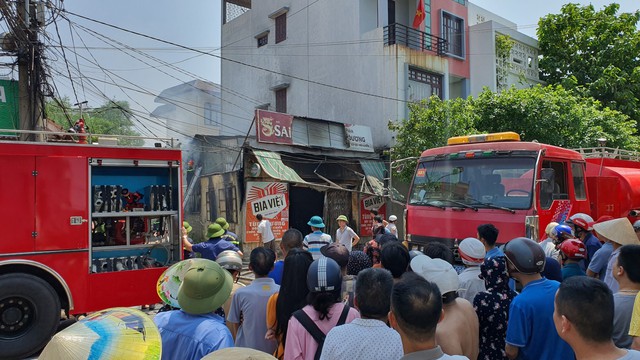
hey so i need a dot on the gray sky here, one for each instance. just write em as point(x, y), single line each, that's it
point(193, 23)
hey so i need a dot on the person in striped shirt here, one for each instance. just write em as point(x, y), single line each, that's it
point(317, 239)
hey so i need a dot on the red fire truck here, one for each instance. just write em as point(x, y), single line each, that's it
point(85, 227)
point(518, 186)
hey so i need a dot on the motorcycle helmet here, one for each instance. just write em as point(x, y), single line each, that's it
point(573, 249)
point(324, 275)
point(562, 232)
point(582, 221)
point(525, 255)
point(229, 260)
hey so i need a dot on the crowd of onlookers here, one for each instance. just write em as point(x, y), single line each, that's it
point(571, 295)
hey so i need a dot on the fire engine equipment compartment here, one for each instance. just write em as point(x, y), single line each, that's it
point(133, 222)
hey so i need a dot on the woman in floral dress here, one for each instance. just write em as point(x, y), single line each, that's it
point(492, 307)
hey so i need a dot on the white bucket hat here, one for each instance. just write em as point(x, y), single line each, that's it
point(436, 271)
point(619, 231)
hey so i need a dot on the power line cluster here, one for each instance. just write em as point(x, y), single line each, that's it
point(54, 49)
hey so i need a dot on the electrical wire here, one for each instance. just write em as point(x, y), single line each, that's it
point(242, 63)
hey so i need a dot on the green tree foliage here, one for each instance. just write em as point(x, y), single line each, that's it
point(596, 51)
point(551, 115)
point(112, 118)
point(554, 115)
point(504, 44)
point(431, 122)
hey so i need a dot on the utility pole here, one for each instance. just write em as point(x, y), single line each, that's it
point(24, 95)
point(24, 25)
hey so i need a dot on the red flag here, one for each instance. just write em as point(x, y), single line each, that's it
point(420, 15)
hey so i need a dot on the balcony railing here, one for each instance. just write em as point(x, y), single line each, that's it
point(398, 34)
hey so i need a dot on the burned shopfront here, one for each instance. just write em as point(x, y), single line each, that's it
point(307, 167)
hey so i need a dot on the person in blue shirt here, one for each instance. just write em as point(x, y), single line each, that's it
point(215, 245)
point(583, 316)
point(228, 235)
point(291, 239)
point(552, 270)
point(598, 263)
point(488, 236)
point(531, 334)
point(572, 251)
point(195, 330)
point(582, 228)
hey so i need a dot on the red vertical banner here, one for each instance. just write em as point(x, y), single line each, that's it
point(420, 15)
point(366, 219)
point(271, 200)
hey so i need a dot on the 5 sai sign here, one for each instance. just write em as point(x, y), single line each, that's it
point(366, 219)
point(271, 200)
point(9, 105)
point(274, 127)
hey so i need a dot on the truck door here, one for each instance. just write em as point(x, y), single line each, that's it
point(555, 201)
point(62, 202)
point(17, 195)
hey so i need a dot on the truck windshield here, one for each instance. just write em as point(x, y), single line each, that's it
point(483, 182)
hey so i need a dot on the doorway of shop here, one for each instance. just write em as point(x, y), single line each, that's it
point(304, 203)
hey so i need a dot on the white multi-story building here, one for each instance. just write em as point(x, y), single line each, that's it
point(355, 62)
point(189, 109)
point(519, 69)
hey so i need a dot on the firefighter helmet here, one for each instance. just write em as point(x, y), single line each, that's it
point(525, 255)
point(573, 249)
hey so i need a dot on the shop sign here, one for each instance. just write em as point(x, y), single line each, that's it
point(274, 128)
point(358, 137)
point(8, 105)
point(271, 200)
point(366, 219)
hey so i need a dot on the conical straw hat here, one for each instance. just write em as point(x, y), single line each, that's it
point(619, 231)
point(116, 333)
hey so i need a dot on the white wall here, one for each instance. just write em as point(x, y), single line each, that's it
point(325, 45)
point(483, 57)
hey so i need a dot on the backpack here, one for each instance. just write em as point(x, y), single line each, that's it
point(313, 329)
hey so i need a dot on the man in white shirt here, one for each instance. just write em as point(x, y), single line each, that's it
point(345, 235)
point(354, 340)
point(393, 229)
point(472, 252)
point(265, 233)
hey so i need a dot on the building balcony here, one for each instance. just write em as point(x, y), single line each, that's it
point(398, 34)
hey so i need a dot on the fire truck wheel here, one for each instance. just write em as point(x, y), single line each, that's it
point(29, 315)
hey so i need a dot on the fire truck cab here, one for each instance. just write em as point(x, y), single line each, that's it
point(518, 186)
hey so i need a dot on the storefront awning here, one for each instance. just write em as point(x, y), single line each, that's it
point(273, 166)
point(374, 171)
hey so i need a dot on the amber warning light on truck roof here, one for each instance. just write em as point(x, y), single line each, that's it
point(469, 139)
